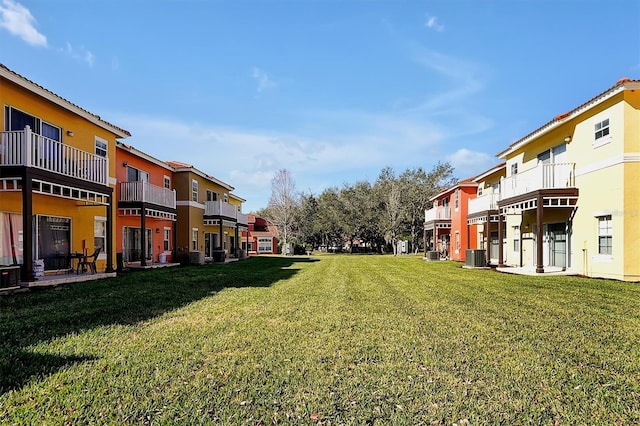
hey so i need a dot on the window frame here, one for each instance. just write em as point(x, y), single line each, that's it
point(194, 239)
point(194, 190)
point(601, 132)
point(605, 233)
point(99, 149)
point(166, 238)
point(102, 220)
point(167, 182)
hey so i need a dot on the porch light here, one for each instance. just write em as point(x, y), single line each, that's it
point(567, 139)
point(69, 133)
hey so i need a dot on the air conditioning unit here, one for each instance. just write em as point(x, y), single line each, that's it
point(196, 258)
point(433, 255)
point(475, 259)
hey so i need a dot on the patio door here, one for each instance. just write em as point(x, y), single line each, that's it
point(494, 249)
point(53, 235)
point(210, 243)
point(557, 237)
point(132, 244)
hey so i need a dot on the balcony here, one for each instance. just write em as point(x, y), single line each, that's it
point(243, 219)
point(484, 203)
point(220, 208)
point(543, 176)
point(437, 213)
point(25, 148)
point(147, 193)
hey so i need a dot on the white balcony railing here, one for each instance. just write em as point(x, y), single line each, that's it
point(543, 176)
point(243, 219)
point(148, 193)
point(484, 203)
point(25, 148)
point(220, 208)
point(437, 213)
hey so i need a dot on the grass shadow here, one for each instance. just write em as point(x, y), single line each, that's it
point(29, 318)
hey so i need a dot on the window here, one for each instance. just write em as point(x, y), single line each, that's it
point(457, 198)
point(101, 147)
point(18, 120)
point(167, 182)
point(457, 240)
point(601, 129)
point(194, 190)
point(225, 198)
point(480, 190)
point(605, 235)
point(265, 245)
point(167, 239)
point(100, 234)
point(514, 169)
point(211, 196)
point(135, 175)
point(194, 239)
point(516, 239)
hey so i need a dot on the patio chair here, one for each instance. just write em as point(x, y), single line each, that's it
point(89, 261)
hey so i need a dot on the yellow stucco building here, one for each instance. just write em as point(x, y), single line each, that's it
point(570, 199)
point(57, 180)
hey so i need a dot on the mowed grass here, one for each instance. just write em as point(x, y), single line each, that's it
point(331, 340)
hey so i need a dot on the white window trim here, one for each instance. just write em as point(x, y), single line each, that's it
point(164, 181)
point(166, 228)
point(603, 257)
point(194, 231)
point(604, 139)
point(196, 190)
point(103, 255)
point(95, 145)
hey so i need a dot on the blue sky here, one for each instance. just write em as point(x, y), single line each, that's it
point(332, 90)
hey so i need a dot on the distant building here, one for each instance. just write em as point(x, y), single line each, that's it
point(262, 236)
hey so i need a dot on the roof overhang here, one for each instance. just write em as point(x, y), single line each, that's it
point(619, 87)
point(29, 85)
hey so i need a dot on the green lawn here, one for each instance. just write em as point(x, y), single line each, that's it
point(330, 340)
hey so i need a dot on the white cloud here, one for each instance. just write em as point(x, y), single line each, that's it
point(358, 147)
point(469, 163)
point(80, 54)
point(263, 80)
point(432, 23)
point(18, 20)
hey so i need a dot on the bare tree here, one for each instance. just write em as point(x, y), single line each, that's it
point(282, 204)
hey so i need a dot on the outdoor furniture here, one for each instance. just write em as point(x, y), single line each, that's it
point(88, 261)
point(77, 257)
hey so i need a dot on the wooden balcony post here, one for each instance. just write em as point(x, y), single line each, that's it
point(109, 231)
point(539, 236)
point(500, 238)
point(26, 147)
point(27, 227)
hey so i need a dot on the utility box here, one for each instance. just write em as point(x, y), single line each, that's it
point(9, 276)
point(196, 258)
point(433, 256)
point(475, 258)
point(219, 255)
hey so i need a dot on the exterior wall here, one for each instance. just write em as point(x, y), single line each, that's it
point(191, 213)
point(84, 137)
point(156, 225)
point(81, 217)
point(606, 175)
point(467, 239)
